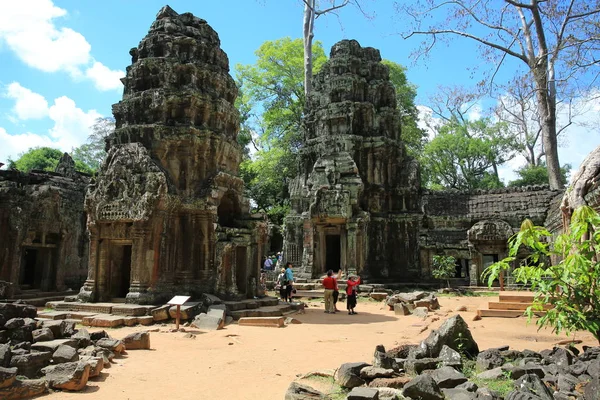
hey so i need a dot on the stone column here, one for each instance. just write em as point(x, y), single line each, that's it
point(87, 292)
point(142, 263)
point(351, 246)
point(103, 270)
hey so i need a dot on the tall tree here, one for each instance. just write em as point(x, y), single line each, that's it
point(92, 153)
point(43, 159)
point(554, 40)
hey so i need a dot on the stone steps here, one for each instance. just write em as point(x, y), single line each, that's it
point(509, 305)
point(267, 311)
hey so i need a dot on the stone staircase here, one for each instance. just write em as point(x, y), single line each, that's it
point(265, 307)
point(509, 305)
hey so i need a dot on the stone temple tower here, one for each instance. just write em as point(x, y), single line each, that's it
point(167, 213)
point(355, 202)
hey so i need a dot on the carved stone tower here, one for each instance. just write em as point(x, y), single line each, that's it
point(167, 214)
point(355, 202)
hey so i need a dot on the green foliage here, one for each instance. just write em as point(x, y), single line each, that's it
point(89, 156)
point(466, 155)
point(413, 137)
point(40, 158)
point(537, 175)
point(570, 285)
point(444, 267)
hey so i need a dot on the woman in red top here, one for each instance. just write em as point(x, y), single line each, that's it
point(351, 283)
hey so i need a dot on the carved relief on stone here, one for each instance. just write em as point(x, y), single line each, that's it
point(128, 186)
point(490, 231)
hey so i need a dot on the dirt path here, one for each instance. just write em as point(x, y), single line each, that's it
point(259, 363)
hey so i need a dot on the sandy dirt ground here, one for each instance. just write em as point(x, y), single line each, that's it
point(255, 363)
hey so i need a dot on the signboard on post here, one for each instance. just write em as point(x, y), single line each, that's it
point(178, 301)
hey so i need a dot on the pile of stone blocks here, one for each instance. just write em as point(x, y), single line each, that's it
point(416, 303)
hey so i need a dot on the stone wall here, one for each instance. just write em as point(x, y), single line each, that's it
point(43, 242)
point(471, 225)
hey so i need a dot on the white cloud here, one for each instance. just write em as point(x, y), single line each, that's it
point(28, 105)
point(29, 30)
point(103, 77)
point(71, 125)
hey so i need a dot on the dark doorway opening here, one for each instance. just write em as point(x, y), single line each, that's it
point(333, 252)
point(120, 270)
point(241, 279)
point(29, 267)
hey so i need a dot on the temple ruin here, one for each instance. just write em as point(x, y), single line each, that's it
point(43, 244)
point(167, 213)
point(355, 203)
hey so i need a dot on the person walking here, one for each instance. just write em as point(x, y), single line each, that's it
point(268, 264)
point(329, 284)
point(281, 282)
point(351, 283)
point(336, 291)
point(289, 278)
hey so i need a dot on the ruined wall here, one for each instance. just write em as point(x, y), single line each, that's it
point(357, 191)
point(43, 243)
point(471, 225)
point(167, 213)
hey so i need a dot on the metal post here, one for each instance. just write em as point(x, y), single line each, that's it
point(177, 320)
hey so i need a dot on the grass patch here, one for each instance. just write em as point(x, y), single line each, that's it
point(502, 386)
point(332, 391)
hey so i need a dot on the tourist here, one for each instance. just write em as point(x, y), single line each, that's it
point(268, 264)
point(281, 283)
point(329, 284)
point(289, 281)
point(351, 283)
point(336, 291)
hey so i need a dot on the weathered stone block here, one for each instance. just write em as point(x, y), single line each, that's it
point(137, 341)
point(68, 376)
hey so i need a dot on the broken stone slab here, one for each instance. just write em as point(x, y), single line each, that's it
point(378, 296)
point(42, 335)
point(208, 322)
point(423, 387)
point(160, 313)
point(489, 359)
point(389, 393)
point(130, 321)
point(210, 299)
point(348, 375)
point(114, 345)
point(24, 389)
point(420, 312)
point(64, 354)
point(270, 322)
point(450, 357)
point(299, 391)
point(53, 315)
point(496, 373)
point(96, 365)
point(14, 323)
point(5, 355)
point(7, 376)
point(103, 321)
point(29, 364)
point(137, 341)
point(188, 310)
point(288, 321)
point(59, 328)
point(145, 320)
point(416, 366)
point(448, 377)
point(16, 310)
point(397, 382)
point(459, 394)
point(80, 315)
point(363, 393)
point(52, 345)
point(372, 372)
point(132, 310)
point(401, 309)
point(454, 333)
point(68, 376)
point(83, 338)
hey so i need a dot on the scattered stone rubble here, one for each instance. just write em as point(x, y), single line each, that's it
point(416, 303)
point(433, 370)
point(37, 355)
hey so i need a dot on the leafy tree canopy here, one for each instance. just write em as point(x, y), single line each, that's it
point(91, 154)
point(537, 175)
point(40, 158)
point(466, 155)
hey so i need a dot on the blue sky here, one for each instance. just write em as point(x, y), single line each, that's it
point(61, 59)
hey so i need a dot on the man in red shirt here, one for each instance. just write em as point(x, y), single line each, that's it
point(329, 284)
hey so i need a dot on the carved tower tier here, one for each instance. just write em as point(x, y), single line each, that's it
point(167, 213)
point(355, 202)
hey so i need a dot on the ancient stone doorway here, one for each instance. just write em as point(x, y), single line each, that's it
point(241, 278)
point(333, 252)
point(37, 269)
point(120, 270)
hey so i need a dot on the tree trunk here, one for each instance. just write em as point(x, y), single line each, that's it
point(307, 34)
point(546, 99)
